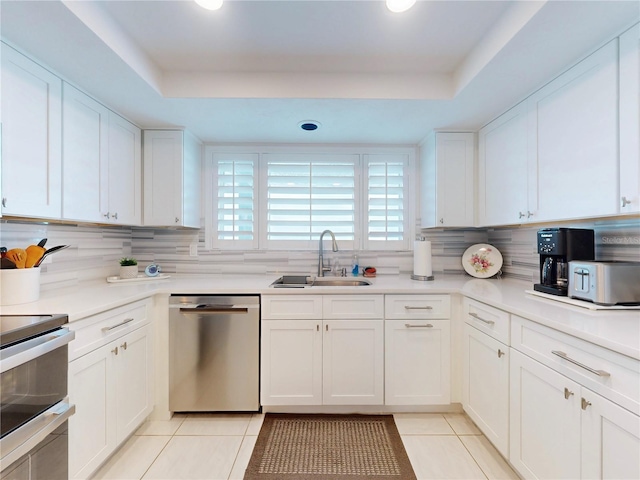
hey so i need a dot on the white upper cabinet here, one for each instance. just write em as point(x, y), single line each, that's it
point(573, 132)
point(447, 169)
point(125, 171)
point(503, 170)
point(172, 172)
point(31, 138)
point(102, 163)
point(630, 121)
point(85, 155)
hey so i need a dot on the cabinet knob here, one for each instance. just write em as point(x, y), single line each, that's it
point(529, 214)
point(442, 220)
point(500, 353)
point(115, 351)
point(625, 202)
point(584, 403)
point(115, 215)
point(4, 202)
point(106, 215)
point(124, 346)
point(177, 220)
point(567, 393)
point(521, 215)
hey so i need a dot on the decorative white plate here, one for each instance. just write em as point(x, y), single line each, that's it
point(140, 278)
point(482, 260)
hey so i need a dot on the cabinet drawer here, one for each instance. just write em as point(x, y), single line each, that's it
point(612, 375)
point(352, 306)
point(416, 306)
point(291, 307)
point(487, 319)
point(100, 329)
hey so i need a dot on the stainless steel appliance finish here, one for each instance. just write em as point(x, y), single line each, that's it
point(34, 407)
point(605, 283)
point(214, 353)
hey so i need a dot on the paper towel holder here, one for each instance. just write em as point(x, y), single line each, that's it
point(422, 278)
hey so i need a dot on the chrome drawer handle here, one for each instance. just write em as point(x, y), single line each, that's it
point(428, 325)
point(478, 317)
point(124, 322)
point(426, 307)
point(600, 373)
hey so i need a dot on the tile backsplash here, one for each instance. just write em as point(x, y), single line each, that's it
point(95, 250)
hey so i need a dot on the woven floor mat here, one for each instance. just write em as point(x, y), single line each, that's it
point(329, 447)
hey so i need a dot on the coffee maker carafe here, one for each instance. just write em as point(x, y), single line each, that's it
point(557, 247)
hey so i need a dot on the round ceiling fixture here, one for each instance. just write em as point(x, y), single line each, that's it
point(309, 125)
point(399, 6)
point(210, 4)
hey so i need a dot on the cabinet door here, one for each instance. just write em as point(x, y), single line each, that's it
point(92, 388)
point(630, 121)
point(191, 181)
point(485, 386)
point(545, 421)
point(85, 147)
point(125, 172)
point(163, 158)
point(133, 381)
point(31, 138)
point(503, 169)
point(291, 362)
point(417, 362)
point(574, 122)
point(448, 180)
point(353, 362)
point(610, 439)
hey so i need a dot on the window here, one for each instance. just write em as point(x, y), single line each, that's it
point(283, 198)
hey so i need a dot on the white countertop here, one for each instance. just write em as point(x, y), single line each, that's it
point(618, 330)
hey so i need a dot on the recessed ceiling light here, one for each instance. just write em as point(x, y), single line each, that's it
point(309, 125)
point(210, 4)
point(399, 6)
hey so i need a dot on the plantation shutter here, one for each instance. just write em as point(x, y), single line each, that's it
point(235, 200)
point(386, 201)
point(307, 194)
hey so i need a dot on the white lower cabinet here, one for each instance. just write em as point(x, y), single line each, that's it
point(111, 386)
point(485, 388)
point(560, 429)
point(291, 366)
point(417, 362)
point(335, 360)
point(353, 362)
point(545, 421)
point(315, 362)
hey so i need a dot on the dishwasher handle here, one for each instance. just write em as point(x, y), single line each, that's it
point(214, 309)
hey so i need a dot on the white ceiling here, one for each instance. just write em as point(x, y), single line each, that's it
point(253, 70)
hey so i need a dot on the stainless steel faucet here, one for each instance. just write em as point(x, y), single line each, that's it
point(334, 247)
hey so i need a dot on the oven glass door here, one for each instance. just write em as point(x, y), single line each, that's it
point(33, 378)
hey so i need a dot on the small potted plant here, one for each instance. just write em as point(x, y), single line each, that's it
point(128, 267)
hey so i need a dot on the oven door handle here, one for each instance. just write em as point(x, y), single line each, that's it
point(25, 438)
point(23, 352)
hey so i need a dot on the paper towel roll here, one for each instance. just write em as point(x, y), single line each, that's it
point(422, 259)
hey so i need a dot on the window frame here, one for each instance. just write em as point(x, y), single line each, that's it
point(260, 241)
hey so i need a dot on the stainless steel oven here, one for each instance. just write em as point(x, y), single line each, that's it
point(33, 388)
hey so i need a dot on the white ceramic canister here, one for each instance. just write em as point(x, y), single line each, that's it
point(20, 285)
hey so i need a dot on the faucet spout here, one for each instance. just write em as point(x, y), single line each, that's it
point(334, 247)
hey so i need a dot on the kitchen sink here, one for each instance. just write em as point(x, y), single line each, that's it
point(304, 281)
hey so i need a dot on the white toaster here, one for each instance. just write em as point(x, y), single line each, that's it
point(605, 283)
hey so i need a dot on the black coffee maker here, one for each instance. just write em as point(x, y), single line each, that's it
point(557, 247)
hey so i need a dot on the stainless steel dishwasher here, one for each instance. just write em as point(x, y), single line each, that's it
point(214, 353)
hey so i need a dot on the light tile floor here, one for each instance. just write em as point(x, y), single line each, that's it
point(218, 447)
